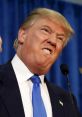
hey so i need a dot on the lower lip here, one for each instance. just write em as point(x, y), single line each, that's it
point(46, 52)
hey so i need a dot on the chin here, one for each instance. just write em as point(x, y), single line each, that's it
point(43, 71)
point(43, 68)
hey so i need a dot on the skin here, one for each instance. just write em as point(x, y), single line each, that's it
point(0, 44)
point(40, 45)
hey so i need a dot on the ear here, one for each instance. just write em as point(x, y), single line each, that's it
point(21, 36)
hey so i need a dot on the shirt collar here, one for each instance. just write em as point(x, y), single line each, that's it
point(21, 71)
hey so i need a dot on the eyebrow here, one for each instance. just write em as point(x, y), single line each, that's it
point(58, 34)
point(63, 35)
point(47, 27)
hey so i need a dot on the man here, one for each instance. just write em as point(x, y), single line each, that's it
point(41, 39)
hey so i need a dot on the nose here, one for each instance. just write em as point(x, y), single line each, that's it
point(52, 40)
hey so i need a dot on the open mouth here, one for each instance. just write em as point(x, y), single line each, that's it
point(47, 50)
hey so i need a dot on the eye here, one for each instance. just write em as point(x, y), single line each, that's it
point(60, 38)
point(46, 30)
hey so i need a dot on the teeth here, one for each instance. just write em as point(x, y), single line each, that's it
point(47, 51)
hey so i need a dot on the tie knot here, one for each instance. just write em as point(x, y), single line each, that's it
point(35, 79)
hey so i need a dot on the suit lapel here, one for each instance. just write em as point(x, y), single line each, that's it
point(10, 93)
point(57, 102)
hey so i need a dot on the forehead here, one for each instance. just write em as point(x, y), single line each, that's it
point(47, 22)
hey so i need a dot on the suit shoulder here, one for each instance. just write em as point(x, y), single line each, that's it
point(5, 66)
point(5, 69)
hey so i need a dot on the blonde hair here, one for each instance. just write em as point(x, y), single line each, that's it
point(46, 13)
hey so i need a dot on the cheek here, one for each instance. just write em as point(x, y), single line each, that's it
point(59, 48)
point(57, 53)
point(29, 47)
point(32, 39)
point(35, 37)
point(38, 37)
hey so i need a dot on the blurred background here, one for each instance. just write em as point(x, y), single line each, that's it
point(14, 12)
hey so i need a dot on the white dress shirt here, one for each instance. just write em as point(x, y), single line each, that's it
point(25, 86)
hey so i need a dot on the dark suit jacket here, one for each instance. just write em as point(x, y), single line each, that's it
point(11, 103)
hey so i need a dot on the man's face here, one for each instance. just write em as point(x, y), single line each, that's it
point(41, 45)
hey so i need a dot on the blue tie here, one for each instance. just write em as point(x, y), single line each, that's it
point(38, 105)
